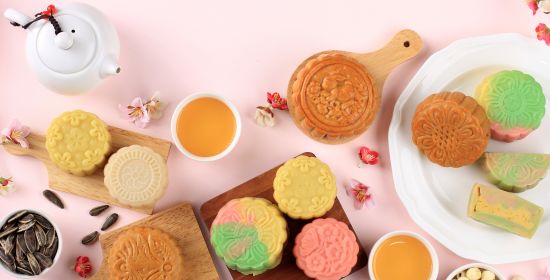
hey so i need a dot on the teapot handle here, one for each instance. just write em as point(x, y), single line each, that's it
point(17, 18)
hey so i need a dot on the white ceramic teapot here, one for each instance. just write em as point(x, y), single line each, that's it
point(71, 48)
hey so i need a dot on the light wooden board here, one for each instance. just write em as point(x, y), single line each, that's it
point(181, 224)
point(262, 186)
point(92, 186)
point(405, 45)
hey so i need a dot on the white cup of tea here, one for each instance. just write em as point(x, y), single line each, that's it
point(205, 126)
point(431, 251)
point(57, 255)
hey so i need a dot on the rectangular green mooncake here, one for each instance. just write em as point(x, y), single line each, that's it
point(504, 210)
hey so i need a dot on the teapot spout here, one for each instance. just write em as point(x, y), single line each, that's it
point(109, 67)
point(17, 18)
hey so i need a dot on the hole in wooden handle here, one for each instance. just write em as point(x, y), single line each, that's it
point(407, 44)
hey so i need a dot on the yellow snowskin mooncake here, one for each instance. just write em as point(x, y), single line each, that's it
point(78, 142)
point(304, 188)
point(136, 176)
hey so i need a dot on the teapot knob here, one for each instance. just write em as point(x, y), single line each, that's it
point(64, 40)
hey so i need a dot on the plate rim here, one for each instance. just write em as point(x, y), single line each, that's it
point(460, 45)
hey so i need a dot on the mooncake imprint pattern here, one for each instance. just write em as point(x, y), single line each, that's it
point(451, 129)
point(136, 176)
point(249, 235)
point(326, 249)
point(333, 98)
point(516, 172)
point(514, 102)
point(304, 188)
point(78, 142)
point(145, 254)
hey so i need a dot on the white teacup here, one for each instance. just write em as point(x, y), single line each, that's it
point(177, 112)
point(431, 250)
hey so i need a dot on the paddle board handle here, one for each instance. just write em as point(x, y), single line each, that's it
point(405, 45)
point(36, 143)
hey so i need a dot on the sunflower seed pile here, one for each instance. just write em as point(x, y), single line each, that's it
point(28, 243)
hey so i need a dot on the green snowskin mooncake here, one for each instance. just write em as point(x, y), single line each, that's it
point(516, 172)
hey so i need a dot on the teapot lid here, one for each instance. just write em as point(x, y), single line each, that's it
point(71, 58)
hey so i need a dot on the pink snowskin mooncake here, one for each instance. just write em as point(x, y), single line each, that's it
point(326, 249)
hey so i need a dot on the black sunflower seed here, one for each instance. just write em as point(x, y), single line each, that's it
point(26, 219)
point(90, 238)
point(98, 210)
point(33, 263)
point(25, 227)
point(8, 231)
point(53, 198)
point(19, 253)
point(22, 270)
point(30, 240)
point(50, 237)
point(23, 262)
point(52, 251)
point(8, 244)
point(41, 237)
point(16, 216)
point(44, 260)
point(43, 222)
point(20, 242)
point(7, 260)
point(109, 221)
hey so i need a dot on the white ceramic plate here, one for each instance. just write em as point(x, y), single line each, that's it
point(437, 197)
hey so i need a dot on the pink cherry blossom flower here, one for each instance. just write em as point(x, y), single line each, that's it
point(543, 33)
point(136, 113)
point(547, 272)
point(360, 193)
point(141, 113)
point(16, 133)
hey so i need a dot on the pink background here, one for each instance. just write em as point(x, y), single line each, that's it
point(241, 49)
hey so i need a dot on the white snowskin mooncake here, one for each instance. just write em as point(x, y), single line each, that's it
point(136, 176)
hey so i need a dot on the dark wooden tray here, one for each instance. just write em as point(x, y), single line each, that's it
point(262, 186)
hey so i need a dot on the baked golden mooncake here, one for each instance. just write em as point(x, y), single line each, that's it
point(144, 253)
point(451, 129)
point(332, 98)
